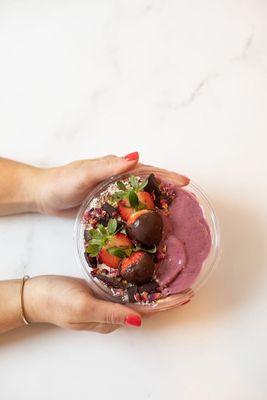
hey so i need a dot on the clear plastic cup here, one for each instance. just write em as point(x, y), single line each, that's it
point(103, 292)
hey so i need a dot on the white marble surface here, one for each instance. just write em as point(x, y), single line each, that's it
point(185, 83)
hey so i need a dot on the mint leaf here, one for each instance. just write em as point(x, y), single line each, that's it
point(95, 234)
point(93, 250)
point(116, 251)
point(117, 196)
point(143, 184)
point(133, 181)
point(121, 186)
point(102, 229)
point(133, 199)
point(98, 242)
point(112, 226)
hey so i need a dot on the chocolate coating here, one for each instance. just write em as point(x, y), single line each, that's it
point(141, 272)
point(146, 229)
point(152, 185)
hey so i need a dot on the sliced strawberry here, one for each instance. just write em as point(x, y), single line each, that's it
point(119, 240)
point(146, 199)
point(124, 209)
point(136, 215)
point(138, 268)
point(130, 261)
point(109, 259)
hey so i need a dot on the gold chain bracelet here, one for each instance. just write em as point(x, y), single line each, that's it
point(24, 279)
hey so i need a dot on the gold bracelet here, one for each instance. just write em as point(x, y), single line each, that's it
point(24, 319)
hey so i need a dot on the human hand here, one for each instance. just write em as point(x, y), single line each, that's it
point(69, 303)
point(62, 189)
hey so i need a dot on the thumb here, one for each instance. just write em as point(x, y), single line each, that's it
point(107, 166)
point(114, 313)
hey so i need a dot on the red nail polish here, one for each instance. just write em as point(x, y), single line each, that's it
point(186, 180)
point(133, 320)
point(132, 156)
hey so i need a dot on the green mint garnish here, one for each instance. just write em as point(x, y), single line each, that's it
point(133, 199)
point(143, 184)
point(112, 226)
point(117, 251)
point(133, 181)
point(120, 252)
point(121, 186)
point(102, 229)
point(126, 192)
point(93, 250)
point(117, 196)
point(95, 234)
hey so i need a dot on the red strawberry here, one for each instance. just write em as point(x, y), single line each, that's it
point(124, 209)
point(136, 215)
point(129, 261)
point(146, 199)
point(119, 240)
point(138, 268)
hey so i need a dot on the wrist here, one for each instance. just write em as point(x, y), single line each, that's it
point(29, 188)
point(38, 303)
point(20, 187)
point(34, 298)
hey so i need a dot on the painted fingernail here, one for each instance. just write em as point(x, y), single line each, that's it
point(133, 320)
point(132, 156)
point(186, 180)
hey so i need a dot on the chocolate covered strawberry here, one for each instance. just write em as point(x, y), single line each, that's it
point(145, 227)
point(138, 268)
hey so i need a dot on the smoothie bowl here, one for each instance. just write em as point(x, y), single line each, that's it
point(144, 241)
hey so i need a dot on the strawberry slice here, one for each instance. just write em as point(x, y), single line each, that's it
point(121, 241)
point(130, 261)
point(138, 268)
point(136, 215)
point(146, 199)
point(126, 210)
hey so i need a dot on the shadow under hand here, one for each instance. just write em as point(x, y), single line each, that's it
point(238, 276)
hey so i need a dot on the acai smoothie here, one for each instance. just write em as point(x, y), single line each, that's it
point(145, 239)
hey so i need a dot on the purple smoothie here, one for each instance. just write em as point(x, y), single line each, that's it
point(187, 238)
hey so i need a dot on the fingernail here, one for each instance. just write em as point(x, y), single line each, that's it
point(132, 156)
point(186, 180)
point(133, 320)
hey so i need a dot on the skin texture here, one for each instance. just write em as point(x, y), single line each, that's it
point(63, 301)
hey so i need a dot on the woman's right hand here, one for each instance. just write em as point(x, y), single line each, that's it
point(69, 303)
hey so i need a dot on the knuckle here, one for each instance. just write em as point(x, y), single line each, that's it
point(109, 160)
point(114, 316)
